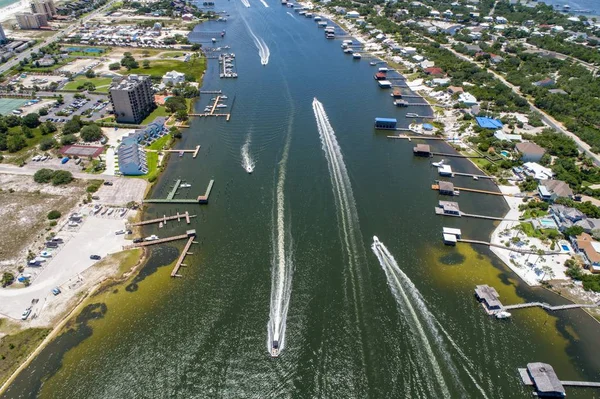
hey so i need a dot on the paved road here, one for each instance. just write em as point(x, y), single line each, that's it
point(59, 35)
point(30, 169)
point(584, 147)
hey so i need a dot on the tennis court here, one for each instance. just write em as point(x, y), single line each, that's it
point(8, 105)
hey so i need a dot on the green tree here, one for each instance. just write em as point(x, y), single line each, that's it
point(43, 176)
point(114, 66)
point(90, 74)
point(47, 143)
point(68, 139)
point(175, 103)
point(72, 126)
point(27, 132)
point(54, 214)
point(15, 142)
point(7, 279)
point(61, 177)
point(91, 132)
point(181, 115)
point(146, 64)
point(31, 120)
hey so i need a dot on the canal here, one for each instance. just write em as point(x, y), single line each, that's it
point(286, 252)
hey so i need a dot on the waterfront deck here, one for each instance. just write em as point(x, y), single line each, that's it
point(165, 218)
point(156, 242)
point(201, 199)
point(194, 152)
point(184, 253)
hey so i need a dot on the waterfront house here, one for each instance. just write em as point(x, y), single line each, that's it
point(455, 89)
point(132, 157)
point(550, 190)
point(468, 99)
point(589, 225)
point(448, 208)
point(352, 14)
point(500, 135)
point(590, 249)
point(565, 216)
point(447, 188)
point(489, 297)
point(537, 171)
point(173, 77)
point(422, 150)
point(434, 71)
point(530, 152)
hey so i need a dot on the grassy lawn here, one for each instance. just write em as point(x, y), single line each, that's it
point(31, 143)
point(159, 111)
point(160, 143)
point(15, 348)
point(58, 65)
point(160, 67)
point(102, 84)
point(172, 54)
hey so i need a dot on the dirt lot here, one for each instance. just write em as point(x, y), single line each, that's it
point(24, 211)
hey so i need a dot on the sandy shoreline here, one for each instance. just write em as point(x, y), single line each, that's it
point(10, 11)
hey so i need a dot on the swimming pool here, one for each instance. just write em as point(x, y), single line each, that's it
point(547, 223)
point(505, 153)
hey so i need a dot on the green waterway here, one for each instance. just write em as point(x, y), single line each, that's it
point(349, 331)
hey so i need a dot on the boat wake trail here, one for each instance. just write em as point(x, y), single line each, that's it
point(247, 161)
point(264, 3)
point(246, 3)
point(291, 15)
point(426, 340)
point(263, 50)
point(348, 223)
point(282, 264)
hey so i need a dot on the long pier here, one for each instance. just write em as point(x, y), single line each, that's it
point(473, 175)
point(210, 91)
point(165, 218)
point(201, 199)
point(155, 242)
point(410, 138)
point(473, 190)
point(181, 258)
point(194, 151)
point(549, 307)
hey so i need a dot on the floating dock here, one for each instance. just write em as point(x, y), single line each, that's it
point(194, 151)
point(165, 218)
point(159, 241)
point(202, 199)
point(192, 235)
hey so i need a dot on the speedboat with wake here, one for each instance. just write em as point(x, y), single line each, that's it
point(438, 164)
point(503, 315)
point(185, 185)
point(275, 349)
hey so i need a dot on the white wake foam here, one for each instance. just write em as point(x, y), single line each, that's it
point(264, 3)
point(246, 3)
point(247, 161)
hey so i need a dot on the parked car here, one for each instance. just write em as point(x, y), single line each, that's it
point(95, 197)
point(108, 183)
point(26, 314)
point(95, 257)
point(56, 291)
point(119, 232)
point(136, 240)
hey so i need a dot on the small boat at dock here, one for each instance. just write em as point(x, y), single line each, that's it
point(356, 56)
point(438, 164)
point(412, 115)
point(180, 154)
point(503, 315)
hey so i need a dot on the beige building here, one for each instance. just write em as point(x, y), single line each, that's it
point(28, 20)
point(45, 7)
point(132, 98)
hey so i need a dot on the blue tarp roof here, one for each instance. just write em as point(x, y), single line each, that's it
point(488, 123)
point(386, 120)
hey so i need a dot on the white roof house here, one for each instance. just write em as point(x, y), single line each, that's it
point(537, 171)
point(173, 77)
point(467, 98)
point(352, 14)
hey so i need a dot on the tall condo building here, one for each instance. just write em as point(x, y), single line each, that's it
point(28, 20)
point(45, 7)
point(132, 98)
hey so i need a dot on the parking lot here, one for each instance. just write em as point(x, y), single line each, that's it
point(100, 104)
point(95, 236)
point(122, 191)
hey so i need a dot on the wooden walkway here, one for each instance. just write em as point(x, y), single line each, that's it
point(410, 138)
point(473, 175)
point(155, 242)
point(201, 199)
point(164, 219)
point(549, 307)
point(587, 384)
point(519, 250)
point(181, 258)
point(194, 151)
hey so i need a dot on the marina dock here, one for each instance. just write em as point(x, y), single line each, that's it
point(201, 199)
point(212, 111)
point(184, 253)
point(546, 383)
point(194, 151)
point(165, 218)
point(160, 240)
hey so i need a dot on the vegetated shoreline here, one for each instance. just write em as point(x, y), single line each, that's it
point(106, 282)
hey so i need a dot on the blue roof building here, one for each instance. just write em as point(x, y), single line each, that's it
point(132, 157)
point(385, 123)
point(488, 123)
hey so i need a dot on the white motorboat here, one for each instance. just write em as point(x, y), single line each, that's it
point(503, 315)
point(221, 106)
point(372, 63)
point(438, 164)
point(185, 185)
point(151, 238)
point(356, 56)
point(475, 178)
point(275, 349)
point(223, 97)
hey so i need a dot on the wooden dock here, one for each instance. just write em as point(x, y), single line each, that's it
point(410, 138)
point(181, 258)
point(548, 307)
point(473, 190)
point(159, 241)
point(212, 111)
point(210, 91)
point(587, 384)
point(194, 151)
point(473, 175)
point(201, 199)
point(165, 218)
